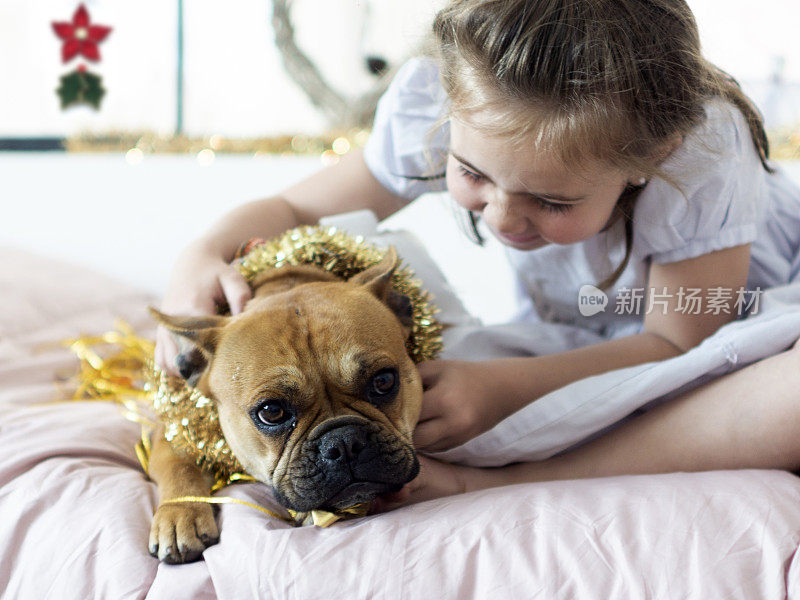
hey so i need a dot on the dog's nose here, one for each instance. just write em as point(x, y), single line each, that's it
point(343, 444)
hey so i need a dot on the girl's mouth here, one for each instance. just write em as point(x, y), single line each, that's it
point(522, 242)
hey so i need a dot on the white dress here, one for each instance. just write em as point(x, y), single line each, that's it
point(726, 199)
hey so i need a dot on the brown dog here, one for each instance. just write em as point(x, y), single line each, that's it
point(317, 397)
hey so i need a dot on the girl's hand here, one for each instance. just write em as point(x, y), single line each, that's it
point(436, 479)
point(461, 400)
point(201, 279)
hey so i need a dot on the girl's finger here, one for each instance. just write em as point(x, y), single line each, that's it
point(430, 407)
point(441, 444)
point(236, 289)
point(400, 495)
point(386, 502)
point(429, 372)
point(166, 351)
point(427, 434)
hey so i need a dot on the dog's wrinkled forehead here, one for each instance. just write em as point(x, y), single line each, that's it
point(346, 366)
point(302, 343)
point(297, 320)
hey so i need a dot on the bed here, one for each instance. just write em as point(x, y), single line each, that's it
point(75, 506)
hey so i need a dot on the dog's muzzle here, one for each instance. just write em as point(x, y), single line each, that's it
point(345, 462)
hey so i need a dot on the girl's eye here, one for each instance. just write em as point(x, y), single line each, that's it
point(554, 207)
point(471, 175)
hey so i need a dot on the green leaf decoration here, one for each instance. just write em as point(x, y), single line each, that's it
point(94, 92)
point(81, 88)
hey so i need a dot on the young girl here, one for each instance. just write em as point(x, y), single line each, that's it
point(594, 141)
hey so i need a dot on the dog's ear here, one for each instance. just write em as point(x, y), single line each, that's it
point(378, 280)
point(203, 331)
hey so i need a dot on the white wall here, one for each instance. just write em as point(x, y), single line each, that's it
point(744, 36)
point(130, 221)
point(234, 81)
point(235, 84)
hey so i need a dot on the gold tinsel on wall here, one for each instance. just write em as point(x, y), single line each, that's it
point(784, 144)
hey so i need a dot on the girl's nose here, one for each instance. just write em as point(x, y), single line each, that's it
point(499, 215)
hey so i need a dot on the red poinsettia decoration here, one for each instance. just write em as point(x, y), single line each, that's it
point(80, 36)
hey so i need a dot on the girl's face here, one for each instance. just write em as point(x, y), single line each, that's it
point(528, 199)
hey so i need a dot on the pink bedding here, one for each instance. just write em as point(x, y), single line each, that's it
point(75, 507)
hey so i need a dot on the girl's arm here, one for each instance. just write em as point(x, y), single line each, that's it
point(745, 420)
point(724, 270)
point(343, 187)
point(202, 276)
point(748, 419)
point(464, 399)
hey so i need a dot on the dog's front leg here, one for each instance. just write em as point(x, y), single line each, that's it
point(181, 531)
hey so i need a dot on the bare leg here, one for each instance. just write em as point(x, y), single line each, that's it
point(748, 419)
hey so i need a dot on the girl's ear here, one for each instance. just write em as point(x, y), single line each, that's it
point(662, 152)
point(668, 147)
point(204, 331)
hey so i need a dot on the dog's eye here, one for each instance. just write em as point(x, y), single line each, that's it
point(383, 385)
point(273, 413)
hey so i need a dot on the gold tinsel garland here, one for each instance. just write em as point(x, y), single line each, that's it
point(191, 420)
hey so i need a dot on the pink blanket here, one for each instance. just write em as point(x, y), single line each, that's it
point(75, 507)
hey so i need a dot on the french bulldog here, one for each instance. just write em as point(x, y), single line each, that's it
point(316, 394)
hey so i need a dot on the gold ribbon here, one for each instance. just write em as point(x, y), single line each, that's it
point(320, 518)
point(227, 500)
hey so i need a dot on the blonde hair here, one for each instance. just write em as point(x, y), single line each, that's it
point(588, 80)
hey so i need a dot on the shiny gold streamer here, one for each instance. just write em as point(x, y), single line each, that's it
point(191, 421)
point(319, 518)
point(227, 500)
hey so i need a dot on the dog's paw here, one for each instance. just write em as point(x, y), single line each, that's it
point(180, 532)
